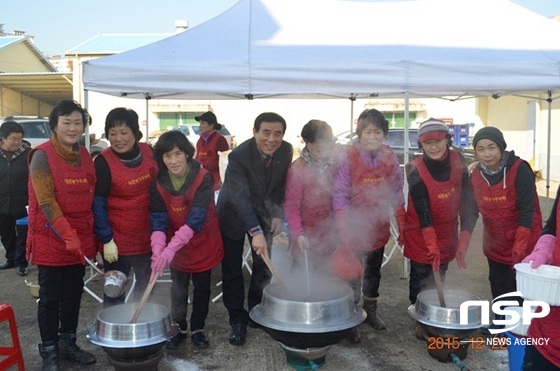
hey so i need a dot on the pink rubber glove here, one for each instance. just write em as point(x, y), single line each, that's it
point(462, 247)
point(542, 254)
point(158, 239)
point(182, 236)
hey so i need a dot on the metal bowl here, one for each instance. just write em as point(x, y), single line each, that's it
point(114, 330)
point(329, 308)
point(445, 321)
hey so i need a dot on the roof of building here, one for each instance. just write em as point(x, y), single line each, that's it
point(8, 41)
point(106, 44)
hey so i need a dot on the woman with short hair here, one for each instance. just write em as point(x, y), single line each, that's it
point(62, 181)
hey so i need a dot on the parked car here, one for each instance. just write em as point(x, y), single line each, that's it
point(37, 131)
point(395, 140)
point(192, 132)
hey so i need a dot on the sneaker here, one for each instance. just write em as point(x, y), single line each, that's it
point(176, 340)
point(21, 271)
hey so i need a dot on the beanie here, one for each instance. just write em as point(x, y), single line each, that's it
point(432, 129)
point(490, 133)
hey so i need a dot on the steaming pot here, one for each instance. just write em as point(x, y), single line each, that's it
point(127, 341)
point(445, 321)
point(296, 319)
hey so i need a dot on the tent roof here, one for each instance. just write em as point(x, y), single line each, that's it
point(334, 48)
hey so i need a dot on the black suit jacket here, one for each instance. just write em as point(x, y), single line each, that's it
point(245, 201)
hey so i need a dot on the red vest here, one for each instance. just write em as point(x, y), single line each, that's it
point(205, 249)
point(207, 155)
point(549, 326)
point(316, 210)
point(445, 200)
point(498, 207)
point(128, 204)
point(370, 200)
point(73, 190)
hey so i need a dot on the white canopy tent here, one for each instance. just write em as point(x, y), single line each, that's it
point(344, 49)
point(334, 48)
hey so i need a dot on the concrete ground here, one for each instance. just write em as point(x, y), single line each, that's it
point(396, 348)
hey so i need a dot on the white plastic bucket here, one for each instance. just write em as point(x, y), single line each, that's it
point(542, 283)
point(521, 329)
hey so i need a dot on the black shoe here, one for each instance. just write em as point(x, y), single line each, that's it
point(176, 340)
point(238, 334)
point(6, 265)
point(21, 271)
point(199, 339)
point(68, 350)
point(353, 335)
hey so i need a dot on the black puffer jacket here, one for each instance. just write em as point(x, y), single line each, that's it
point(14, 175)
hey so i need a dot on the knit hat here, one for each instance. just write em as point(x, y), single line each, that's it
point(432, 129)
point(490, 133)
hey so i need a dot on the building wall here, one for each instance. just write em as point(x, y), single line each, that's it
point(15, 104)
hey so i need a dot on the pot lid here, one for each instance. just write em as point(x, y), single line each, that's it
point(94, 339)
point(257, 314)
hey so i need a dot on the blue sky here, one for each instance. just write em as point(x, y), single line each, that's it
point(60, 25)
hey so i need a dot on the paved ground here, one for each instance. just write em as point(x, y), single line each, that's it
point(397, 348)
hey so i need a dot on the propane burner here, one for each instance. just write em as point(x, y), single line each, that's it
point(149, 363)
point(444, 349)
point(305, 359)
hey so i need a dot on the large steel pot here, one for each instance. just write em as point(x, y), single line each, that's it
point(308, 320)
point(445, 321)
point(123, 340)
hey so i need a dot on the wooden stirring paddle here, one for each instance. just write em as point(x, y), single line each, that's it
point(143, 300)
point(439, 287)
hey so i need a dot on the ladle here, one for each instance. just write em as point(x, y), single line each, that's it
point(143, 300)
point(94, 266)
point(305, 248)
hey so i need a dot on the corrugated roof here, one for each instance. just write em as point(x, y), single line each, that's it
point(48, 87)
point(115, 43)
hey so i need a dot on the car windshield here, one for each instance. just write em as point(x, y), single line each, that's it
point(395, 138)
point(35, 129)
point(224, 131)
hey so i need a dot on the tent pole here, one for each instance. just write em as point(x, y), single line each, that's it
point(352, 100)
point(87, 141)
point(406, 158)
point(148, 97)
point(549, 100)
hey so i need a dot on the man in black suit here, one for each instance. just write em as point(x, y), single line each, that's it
point(250, 202)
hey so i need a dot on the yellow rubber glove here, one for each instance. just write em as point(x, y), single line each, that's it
point(110, 252)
